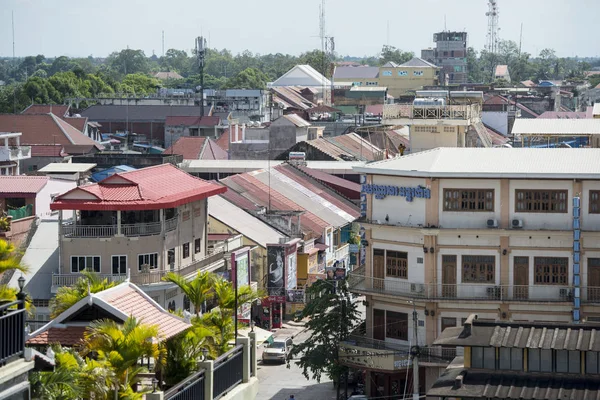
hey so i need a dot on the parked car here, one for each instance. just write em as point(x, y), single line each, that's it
point(278, 350)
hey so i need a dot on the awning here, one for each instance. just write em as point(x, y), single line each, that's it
point(321, 246)
point(262, 335)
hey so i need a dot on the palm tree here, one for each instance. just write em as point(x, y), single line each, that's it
point(10, 260)
point(122, 346)
point(198, 290)
point(66, 296)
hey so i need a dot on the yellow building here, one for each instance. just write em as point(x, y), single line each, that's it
point(399, 79)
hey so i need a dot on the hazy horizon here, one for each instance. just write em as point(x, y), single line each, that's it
point(78, 30)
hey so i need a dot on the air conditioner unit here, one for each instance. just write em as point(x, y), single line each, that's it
point(417, 287)
point(492, 223)
point(517, 223)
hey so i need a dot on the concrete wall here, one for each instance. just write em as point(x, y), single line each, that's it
point(44, 198)
point(397, 208)
point(496, 120)
point(35, 163)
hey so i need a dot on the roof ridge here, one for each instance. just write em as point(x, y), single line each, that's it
point(55, 118)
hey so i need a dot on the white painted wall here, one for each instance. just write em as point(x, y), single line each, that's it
point(399, 210)
point(497, 120)
point(543, 220)
point(416, 272)
point(463, 219)
point(466, 290)
point(420, 141)
point(44, 198)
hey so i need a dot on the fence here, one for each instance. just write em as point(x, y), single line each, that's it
point(21, 212)
point(191, 388)
point(12, 331)
point(228, 371)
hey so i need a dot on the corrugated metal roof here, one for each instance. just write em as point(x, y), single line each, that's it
point(190, 147)
point(560, 127)
point(553, 163)
point(297, 120)
point(501, 70)
point(22, 184)
point(56, 109)
point(563, 115)
point(302, 75)
point(418, 62)
point(242, 222)
point(67, 167)
point(355, 73)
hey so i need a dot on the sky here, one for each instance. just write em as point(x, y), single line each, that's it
point(85, 27)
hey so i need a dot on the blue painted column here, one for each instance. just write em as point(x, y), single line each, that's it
point(576, 259)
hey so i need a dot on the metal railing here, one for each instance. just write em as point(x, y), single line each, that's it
point(12, 331)
point(228, 371)
point(147, 278)
point(467, 291)
point(342, 251)
point(59, 280)
point(131, 230)
point(409, 111)
point(191, 388)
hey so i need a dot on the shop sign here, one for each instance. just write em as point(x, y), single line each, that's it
point(410, 193)
point(380, 359)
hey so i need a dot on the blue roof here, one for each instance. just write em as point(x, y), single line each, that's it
point(546, 83)
point(98, 176)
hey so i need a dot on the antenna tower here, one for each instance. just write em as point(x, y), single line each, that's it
point(493, 27)
point(163, 43)
point(201, 55)
point(323, 46)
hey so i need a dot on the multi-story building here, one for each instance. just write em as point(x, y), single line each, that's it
point(510, 234)
point(450, 54)
point(139, 224)
point(399, 79)
point(520, 360)
point(440, 118)
point(12, 153)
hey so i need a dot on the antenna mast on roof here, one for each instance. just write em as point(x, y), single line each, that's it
point(493, 27)
point(14, 63)
point(201, 54)
point(163, 43)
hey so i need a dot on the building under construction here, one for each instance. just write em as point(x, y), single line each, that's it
point(450, 53)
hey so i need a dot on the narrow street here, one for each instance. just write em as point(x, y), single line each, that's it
point(278, 382)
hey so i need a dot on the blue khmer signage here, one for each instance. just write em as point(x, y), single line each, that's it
point(381, 191)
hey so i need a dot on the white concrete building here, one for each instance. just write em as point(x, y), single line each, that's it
point(454, 231)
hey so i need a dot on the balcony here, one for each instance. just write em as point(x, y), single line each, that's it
point(15, 153)
point(341, 252)
point(469, 292)
point(71, 230)
point(450, 112)
point(12, 331)
point(142, 278)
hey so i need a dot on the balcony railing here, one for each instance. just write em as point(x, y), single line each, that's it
point(466, 291)
point(15, 153)
point(12, 331)
point(102, 231)
point(59, 280)
point(341, 252)
point(408, 111)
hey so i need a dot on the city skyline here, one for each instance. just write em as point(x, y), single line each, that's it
point(267, 29)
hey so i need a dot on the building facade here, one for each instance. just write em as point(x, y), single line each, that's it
point(455, 231)
point(450, 53)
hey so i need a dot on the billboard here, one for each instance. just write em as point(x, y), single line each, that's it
point(276, 270)
point(295, 296)
point(240, 267)
point(292, 270)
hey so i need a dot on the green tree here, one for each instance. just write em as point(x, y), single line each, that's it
point(332, 316)
point(67, 296)
point(10, 261)
point(474, 67)
point(122, 346)
point(176, 60)
point(390, 53)
point(129, 61)
point(139, 84)
point(318, 60)
point(198, 290)
point(250, 78)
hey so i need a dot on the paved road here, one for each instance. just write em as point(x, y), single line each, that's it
point(278, 382)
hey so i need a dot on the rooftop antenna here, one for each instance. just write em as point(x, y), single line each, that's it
point(445, 29)
point(323, 43)
point(201, 54)
point(14, 62)
point(387, 40)
point(520, 39)
point(163, 43)
point(493, 27)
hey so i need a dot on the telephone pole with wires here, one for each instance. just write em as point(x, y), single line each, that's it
point(414, 352)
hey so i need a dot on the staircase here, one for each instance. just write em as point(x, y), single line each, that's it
point(482, 132)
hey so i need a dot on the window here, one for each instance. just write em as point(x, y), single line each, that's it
point(186, 250)
point(197, 246)
point(568, 361)
point(119, 265)
point(418, 73)
point(551, 270)
point(386, 73)
point(548, 201)
point(591, 362)
point(478, 269)
point(483, 357)
point(539, 360)
point(150, 260)
point(396, 325)
point(594, 201)
point(88, 263)
point(448, 323)
point(510, 359)
point(378, 324)
point(396, 264)
point(402, 73)
point(468, 199)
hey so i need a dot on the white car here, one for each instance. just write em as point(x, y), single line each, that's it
point(277, 351)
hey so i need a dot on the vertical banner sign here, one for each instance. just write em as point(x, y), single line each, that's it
point(291, 267)
point(576, 259)
point(240, 276)
point(276, 270)
point(363, 197)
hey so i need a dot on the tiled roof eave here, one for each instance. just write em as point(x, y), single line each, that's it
point(128, 205)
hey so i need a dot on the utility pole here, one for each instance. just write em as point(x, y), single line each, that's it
point(201, 54)
point(415, 354)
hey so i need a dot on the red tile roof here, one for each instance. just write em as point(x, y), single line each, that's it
point(130, 301)
point(375, 109)
point(66, 336)
point(192, 121)
point(190, 147)
point(56, 109)
point(43, 129)
point(22, 184)
point(77, 123)
point(333, 181)
point(212, 151)
point(152, 188)
point(223, 140)
point(47, 150)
